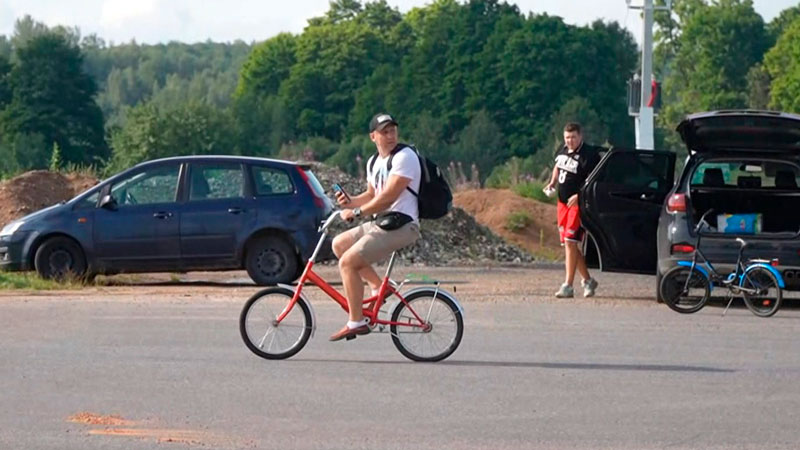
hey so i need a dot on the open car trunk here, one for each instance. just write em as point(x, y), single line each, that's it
point(749, 196)
point(748, 212)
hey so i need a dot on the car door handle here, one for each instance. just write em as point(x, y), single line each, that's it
point(162, 215)
point(647, 197)
point(236, 210)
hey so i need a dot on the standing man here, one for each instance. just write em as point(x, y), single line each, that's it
point(574, 162)
point(392, 174)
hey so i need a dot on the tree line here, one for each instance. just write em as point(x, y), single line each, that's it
point(476, 83)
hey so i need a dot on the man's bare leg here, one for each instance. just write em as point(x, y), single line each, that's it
point(350, 265)
point(581, 265)
point(572, 254)
point(341, 244)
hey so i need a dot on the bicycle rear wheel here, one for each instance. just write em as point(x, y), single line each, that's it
point(267, 338)
point(767, 300)
point(685, 290)
point(439, 333)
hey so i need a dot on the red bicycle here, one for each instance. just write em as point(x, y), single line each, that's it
point(426, 323)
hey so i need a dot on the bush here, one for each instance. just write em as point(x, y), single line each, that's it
point(518, 220)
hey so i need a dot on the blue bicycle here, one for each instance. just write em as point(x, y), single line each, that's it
point(687, 287)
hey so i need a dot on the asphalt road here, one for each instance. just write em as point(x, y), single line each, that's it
point(161, 365)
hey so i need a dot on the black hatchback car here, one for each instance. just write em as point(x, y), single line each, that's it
point(178, 214)
point(742, 164)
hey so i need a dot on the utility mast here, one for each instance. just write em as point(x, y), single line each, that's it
point(644, 112)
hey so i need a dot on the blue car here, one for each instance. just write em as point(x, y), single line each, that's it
point(178, 214)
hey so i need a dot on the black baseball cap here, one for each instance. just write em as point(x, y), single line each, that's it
point(380, 120)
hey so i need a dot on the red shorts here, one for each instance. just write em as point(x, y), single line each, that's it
point(569, 223)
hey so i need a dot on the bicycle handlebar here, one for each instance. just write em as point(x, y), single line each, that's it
point(334, 215)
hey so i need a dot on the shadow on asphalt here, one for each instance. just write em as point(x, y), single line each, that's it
point(543, 365)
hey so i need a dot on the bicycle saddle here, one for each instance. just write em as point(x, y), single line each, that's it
point(741, 242)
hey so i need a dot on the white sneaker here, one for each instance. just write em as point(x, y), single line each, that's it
point(565, 291)
point(589, 287)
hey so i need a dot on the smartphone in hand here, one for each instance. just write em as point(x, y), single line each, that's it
point(337, 189)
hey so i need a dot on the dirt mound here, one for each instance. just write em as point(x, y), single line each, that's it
point(492, 208)
point(31, 191)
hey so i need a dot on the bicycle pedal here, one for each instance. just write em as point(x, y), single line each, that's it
point(350, 338)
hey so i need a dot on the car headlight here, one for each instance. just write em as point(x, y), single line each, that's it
point(11, 228)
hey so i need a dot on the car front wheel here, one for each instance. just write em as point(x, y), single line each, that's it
point(271, 260)
point(60, 258)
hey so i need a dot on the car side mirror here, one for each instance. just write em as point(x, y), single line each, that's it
point(108, 202)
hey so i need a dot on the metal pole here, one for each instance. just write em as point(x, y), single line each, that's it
point(644, 122)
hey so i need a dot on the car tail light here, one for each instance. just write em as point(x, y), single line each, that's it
point(682, 248)
point(676, 203)
point(317, 200)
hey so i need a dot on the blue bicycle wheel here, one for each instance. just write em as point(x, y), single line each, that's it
point(764, 298)
point(685, 290)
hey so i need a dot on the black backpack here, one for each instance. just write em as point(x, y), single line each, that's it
point(434, 197)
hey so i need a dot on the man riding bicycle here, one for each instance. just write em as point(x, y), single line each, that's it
point(393, 179)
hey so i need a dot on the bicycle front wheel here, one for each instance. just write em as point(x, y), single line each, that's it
point(261, 332)
point(766, 300)
point(685, 290)
point(431, 328)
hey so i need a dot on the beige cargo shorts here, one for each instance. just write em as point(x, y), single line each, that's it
point(375, 244)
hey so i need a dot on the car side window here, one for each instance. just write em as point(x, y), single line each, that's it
point(150, 186)
point(270, 181)
point(636, 171)
point(215, 181)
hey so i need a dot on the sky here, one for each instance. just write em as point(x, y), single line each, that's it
point(154, 21)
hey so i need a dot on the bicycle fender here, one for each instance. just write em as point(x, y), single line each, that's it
point(442, 292)
point(774, 271)
point(310, 307)
point(700, 269)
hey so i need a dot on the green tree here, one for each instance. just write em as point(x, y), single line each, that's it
point(5, 47)
point(593, 128)
point(151, 132)
point(267, 66)
point(717, 45)
point(779, 24)
point(782, 63)
point(53, 97)
point(333, 61)
point(480, 143)
point(5, 81)
point(758, 87)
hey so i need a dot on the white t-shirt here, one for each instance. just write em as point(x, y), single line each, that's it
point(405, 164)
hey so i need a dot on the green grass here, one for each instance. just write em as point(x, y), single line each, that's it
point(518, 220)
point(533, 189)
point(30, 280)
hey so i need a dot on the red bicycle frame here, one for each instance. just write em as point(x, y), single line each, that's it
point(376, 300)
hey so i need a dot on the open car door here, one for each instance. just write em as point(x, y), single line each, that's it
point(621, 204)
